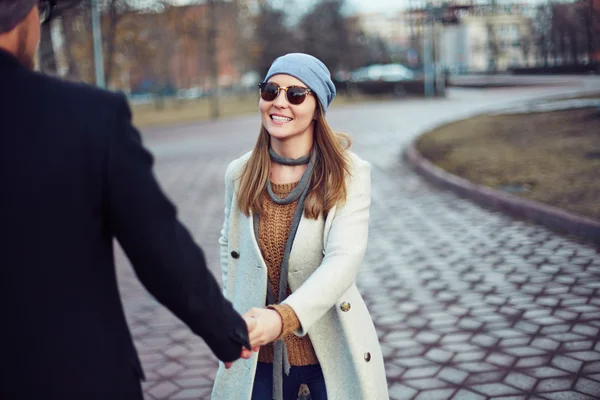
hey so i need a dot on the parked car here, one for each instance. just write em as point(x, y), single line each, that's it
point(382, 72)
point(395, 79)
point(191, 93)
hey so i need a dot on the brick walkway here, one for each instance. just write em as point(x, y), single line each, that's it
point(469, 303)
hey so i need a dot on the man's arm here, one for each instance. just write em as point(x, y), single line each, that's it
point(162, 251)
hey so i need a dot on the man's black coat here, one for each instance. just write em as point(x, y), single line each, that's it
point(74, 176)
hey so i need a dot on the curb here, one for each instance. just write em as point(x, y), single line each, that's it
point(552, 217)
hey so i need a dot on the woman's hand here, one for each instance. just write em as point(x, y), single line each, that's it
point(268, 326)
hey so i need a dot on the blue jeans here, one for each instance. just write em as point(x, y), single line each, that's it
point(310, 375)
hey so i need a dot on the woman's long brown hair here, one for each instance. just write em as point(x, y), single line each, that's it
point(328, 185)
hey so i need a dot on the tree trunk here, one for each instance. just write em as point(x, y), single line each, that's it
point(111, 37)
point(67, 20)
point(47, 58)
point(214, 64)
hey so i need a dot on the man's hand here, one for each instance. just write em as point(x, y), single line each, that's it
point(268, 326)
point(251, 324)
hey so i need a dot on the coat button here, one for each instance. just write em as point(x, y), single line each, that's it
point(345, 306)
point(235, 254)
point(367, 357)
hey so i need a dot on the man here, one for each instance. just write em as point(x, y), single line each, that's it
point(73, 176)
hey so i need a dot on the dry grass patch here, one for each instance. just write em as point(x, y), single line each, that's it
point(550, 157)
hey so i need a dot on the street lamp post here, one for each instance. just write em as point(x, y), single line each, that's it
point(98, 59)
point(427, 58)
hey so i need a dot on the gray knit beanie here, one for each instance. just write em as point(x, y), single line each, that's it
point(310, 70)
point(12, 12)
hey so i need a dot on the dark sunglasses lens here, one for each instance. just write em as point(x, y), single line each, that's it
point(269, 91)
point(296, 95)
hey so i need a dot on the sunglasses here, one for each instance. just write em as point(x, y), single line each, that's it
point(45, 10)
point(295, 94)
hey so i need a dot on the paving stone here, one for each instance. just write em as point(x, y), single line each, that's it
point(393, 372)
point(194, 382)
point(545, 344)
point(427, 337)
point(555, 329)
point(554, 384)
point(500, 359)
point(411, 362)
point(469, 356)
point(439, 355)
point(485, 377)
point(520, 381)
point(170, 369)
point(426, 383)
point(476, 366)
point(546, 372)
point(595, 377)
point(453, 375)
point(571, 347)
point(588, 386)
point(532, 362)
point(495, 389)
point(401, 392)
point(585, 355)
point(524, 351)
point(436, 394)
point(420, 372)
point(515, 342)
point(566, 363)
point(197, 393)
point(591, 368)
point(568, 395)
point(464, 394)
point(163, 390)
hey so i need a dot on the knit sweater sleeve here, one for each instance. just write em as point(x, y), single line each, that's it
point(289, 318)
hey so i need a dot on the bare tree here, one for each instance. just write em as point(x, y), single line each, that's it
point(273, 37)
point(46, 54)
point(327, 35)
point(46, 51)
point(113, 10)
point(543, 24)
point(68, 22)
point(493, 47)
point(526, 41)
point(214, 62)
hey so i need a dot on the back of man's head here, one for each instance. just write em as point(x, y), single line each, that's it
point(20, 29)
point(12, 12)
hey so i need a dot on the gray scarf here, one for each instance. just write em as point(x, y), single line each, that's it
point(281, 363)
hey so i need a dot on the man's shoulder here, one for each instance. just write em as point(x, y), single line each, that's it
point(69, 95)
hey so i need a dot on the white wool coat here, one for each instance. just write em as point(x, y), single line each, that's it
point(324, 261)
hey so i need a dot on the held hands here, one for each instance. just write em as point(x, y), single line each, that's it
point(264, 326)
point(268, 326)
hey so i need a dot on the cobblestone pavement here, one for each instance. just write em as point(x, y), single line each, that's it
point(470, 304)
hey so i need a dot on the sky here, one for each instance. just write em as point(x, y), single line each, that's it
point(378, 5)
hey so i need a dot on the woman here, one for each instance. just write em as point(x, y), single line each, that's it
point(293, 239)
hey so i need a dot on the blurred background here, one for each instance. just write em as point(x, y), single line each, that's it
point(155, 50)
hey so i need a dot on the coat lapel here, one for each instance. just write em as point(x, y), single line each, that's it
point(307, 249)
point(256, 246)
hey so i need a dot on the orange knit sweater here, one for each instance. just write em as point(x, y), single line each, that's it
point(273, 231)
